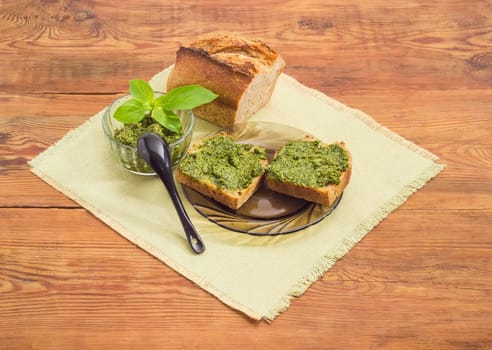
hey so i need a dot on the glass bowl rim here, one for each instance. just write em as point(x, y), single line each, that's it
point(106, 116)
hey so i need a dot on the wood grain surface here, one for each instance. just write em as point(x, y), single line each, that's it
point(422, 279)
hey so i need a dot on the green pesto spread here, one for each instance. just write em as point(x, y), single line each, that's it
point(129, 133)
point(229, 165)
point(309, 164)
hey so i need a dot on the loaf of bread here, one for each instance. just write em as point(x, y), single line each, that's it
point(293, 180)
point(223, 170)
point(241, 71)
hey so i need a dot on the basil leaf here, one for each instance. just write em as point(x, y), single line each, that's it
point(185, 97)
point(174, 122)
point(131, 111)
point(141, 91)
point(167, 119)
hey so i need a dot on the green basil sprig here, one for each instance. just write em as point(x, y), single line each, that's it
point(142, 103)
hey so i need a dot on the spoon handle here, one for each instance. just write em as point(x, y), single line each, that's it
point(156, 152)
point(194, 239)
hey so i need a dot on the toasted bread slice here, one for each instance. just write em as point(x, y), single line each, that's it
point(207, 185)
point(325, 195)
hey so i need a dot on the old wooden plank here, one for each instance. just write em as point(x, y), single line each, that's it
point(453, 125)
point(94, 47)
point(418, 285)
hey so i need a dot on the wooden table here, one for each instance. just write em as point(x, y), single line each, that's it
point(421, 279)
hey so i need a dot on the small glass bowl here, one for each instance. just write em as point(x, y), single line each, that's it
point(128, 156)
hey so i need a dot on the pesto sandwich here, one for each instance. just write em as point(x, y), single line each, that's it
point(310, 170)
point(224, 170)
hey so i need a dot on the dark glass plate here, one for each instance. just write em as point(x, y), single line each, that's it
point(267, 212)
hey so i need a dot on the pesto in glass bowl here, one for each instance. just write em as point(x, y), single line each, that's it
point(123, 137)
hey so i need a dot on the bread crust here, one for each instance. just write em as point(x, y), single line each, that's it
point(231, 199)
point(326, 195)
point(237, 69)
point(196, 66)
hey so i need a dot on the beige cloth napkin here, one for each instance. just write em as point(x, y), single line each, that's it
point(256, 275)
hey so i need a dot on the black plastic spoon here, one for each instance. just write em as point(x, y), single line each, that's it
point(155, 151)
